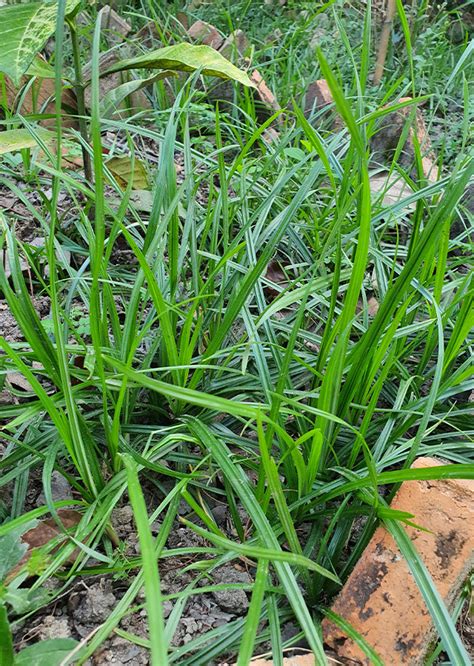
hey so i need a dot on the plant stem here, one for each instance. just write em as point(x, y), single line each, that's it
point(384, 39)
point(81, 105)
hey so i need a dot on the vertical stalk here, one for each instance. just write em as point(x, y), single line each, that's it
point(384, 40)
point(81, 105)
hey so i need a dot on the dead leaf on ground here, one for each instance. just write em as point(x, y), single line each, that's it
point(18, 382)
point(275, 274)
point(45, 532)
point(124, 169)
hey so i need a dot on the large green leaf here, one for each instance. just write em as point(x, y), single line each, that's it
point(46, 653)
point(12, 549)
point(24, 29)
point(186, 58)
point(18, 139)
point(112, 102)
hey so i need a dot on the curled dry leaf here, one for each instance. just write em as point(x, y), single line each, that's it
point(45, 532)
point(275, 274)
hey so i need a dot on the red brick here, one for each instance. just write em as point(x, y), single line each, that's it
point(264, 93)
point(205, 33)
point(300, 660)
point(381, 599)
point(319, 96)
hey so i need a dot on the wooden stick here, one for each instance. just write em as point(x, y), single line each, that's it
point(384, 40)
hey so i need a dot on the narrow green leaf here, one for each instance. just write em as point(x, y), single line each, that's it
point(435, 604)
point(253, 615)
point(46, 653)
point(159, 652)
point(6, 640)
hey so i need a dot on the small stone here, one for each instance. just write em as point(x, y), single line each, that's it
point(167, 607)
point(94, 605)
point(60, 489)
point(54, 627)
point(220, 514)
point(233, 601)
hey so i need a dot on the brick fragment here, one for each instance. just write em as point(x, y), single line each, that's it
point(205, 33)
point(117, 27)
point(319, 96)
point(385, 141)
point(263, 91)
point(108, 82)
point(299, 660)
point(381, 599)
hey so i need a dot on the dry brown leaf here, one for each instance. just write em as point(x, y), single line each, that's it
point(44, 533)
point(121, 167)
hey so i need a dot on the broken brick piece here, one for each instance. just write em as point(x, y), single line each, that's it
point(117, 27)
point(318, 96)
point(299, 660)
point(381, 599)
point(205, 33)
point(385, 141)
point(264, 93)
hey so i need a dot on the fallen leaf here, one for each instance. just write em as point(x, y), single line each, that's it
point(275, 274)
point(42, 534)
point(20, 139)
point(121, 168)
point(372, 306)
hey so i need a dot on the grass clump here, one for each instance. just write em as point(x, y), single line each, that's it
point(259, 331)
